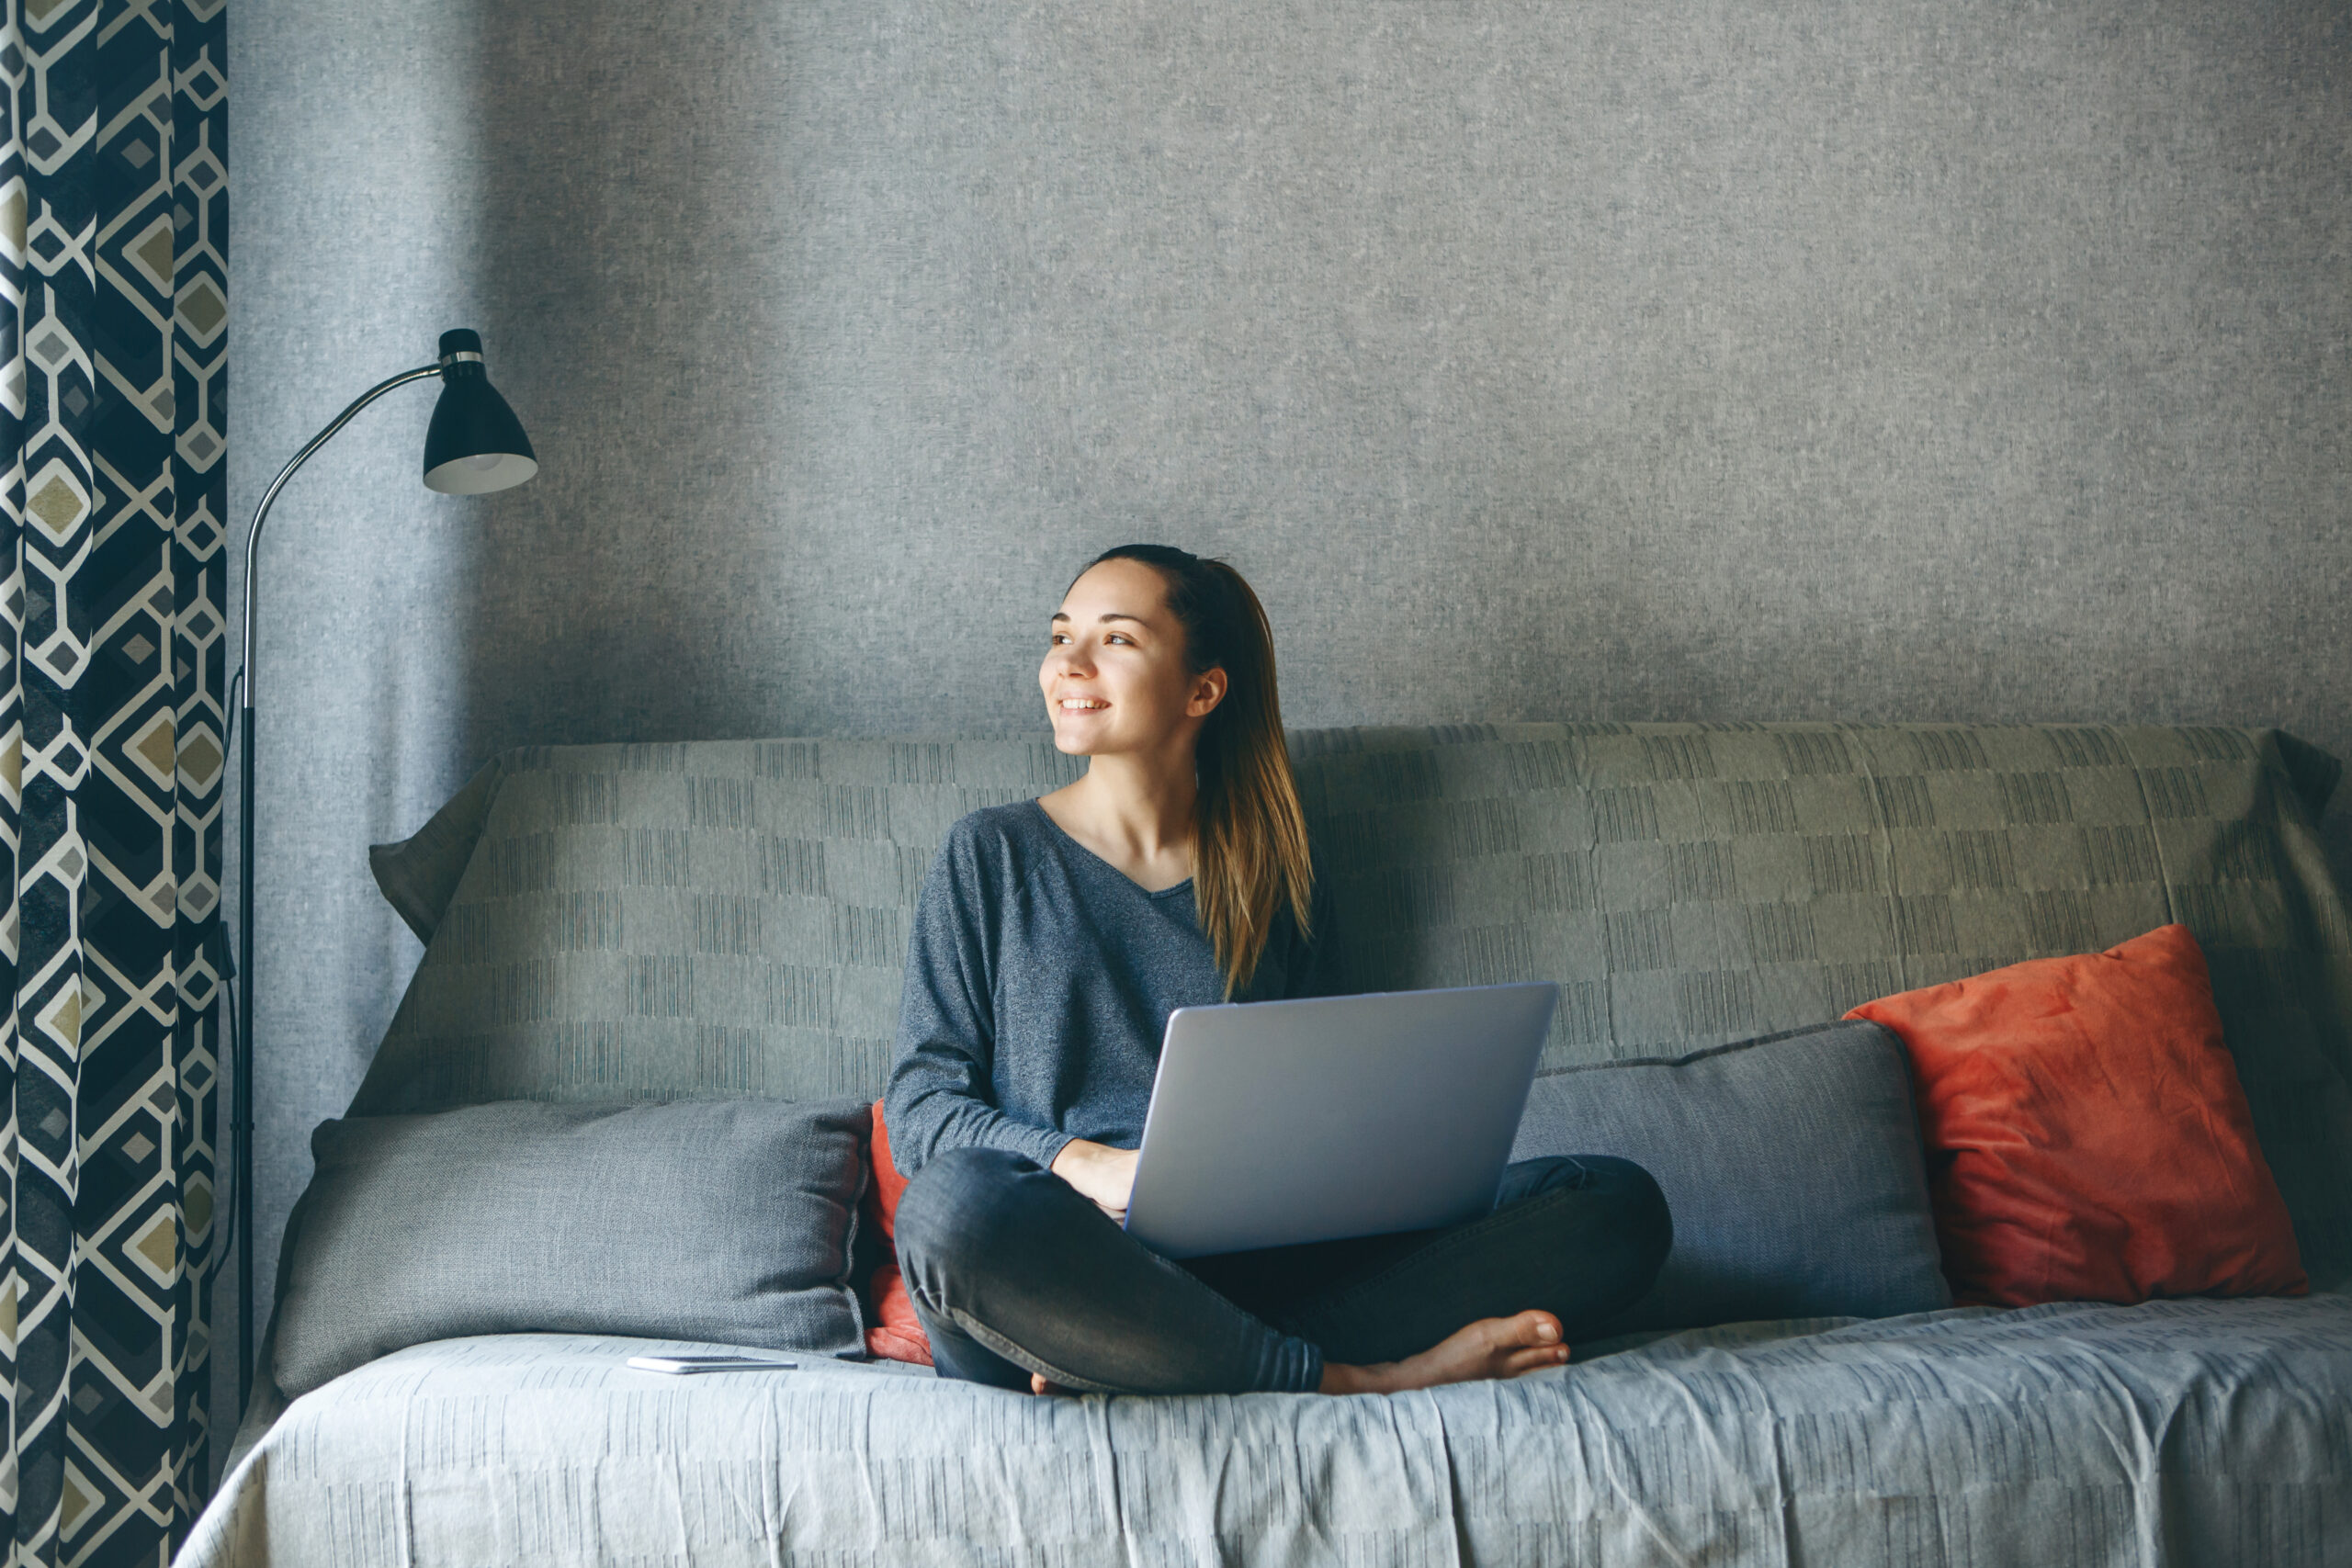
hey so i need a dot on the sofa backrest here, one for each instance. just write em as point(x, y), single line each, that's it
point(720, 919)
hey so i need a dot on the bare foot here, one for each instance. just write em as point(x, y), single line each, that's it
point(1490, 1348)
point(1038, 1384)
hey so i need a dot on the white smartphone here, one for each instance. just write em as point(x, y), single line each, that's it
point(687, 1364)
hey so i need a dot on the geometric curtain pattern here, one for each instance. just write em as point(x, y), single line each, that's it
point(113, 235)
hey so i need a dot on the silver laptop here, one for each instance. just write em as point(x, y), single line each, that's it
point(1275, 1122)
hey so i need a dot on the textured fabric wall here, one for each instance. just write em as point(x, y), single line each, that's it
point(1958, 360)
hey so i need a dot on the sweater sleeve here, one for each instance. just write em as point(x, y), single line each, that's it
point(941, 1095)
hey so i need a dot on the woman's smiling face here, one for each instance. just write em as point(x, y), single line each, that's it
point(1113, 676)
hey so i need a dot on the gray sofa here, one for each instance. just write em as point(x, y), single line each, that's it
point(1688, 885)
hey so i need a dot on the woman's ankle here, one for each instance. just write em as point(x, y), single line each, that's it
point(1341, 1378)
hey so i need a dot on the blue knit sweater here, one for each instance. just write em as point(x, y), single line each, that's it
point(1039, 981)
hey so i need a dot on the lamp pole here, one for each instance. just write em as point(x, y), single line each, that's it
point(475, 445)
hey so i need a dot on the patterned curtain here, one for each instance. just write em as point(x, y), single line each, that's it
point(113, 232)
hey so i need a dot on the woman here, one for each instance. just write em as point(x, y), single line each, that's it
point(1054, 937)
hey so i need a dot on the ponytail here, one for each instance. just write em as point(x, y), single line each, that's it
point(1249, 856)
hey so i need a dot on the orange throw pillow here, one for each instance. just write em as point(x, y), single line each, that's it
point(897, 1334)
point(2086, 1135)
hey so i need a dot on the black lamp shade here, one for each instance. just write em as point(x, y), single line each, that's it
point(475, 444)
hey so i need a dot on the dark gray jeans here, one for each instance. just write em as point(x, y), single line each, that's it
point(1013, 1272)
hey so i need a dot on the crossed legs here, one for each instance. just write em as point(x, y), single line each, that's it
point(1014, 1273)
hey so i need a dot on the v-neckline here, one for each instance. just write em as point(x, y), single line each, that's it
point(1072, 839)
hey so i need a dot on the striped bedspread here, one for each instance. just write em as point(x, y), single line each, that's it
point(2061, 1437)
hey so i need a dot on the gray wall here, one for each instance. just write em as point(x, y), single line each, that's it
point(1950, 360)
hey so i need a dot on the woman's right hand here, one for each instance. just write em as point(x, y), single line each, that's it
point(1104, 1174)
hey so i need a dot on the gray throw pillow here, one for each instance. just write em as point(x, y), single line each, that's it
point(1790, 1164)
point(730, 1221)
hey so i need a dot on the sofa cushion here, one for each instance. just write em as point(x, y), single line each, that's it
point(1790, 1164)
point(2086, 1134)
point(419, 874)
point(731, 1223)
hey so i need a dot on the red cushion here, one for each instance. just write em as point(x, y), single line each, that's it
point(898, 1334)
point(2086, 1135)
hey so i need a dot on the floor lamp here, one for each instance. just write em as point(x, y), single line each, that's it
point(474, 445)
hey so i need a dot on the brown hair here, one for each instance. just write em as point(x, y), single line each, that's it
point(1249, 856)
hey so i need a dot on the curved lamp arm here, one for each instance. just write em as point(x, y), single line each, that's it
point(260, 516)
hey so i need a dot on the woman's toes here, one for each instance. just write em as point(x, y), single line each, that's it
point(1528, 1341)
point(1535, 1358)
